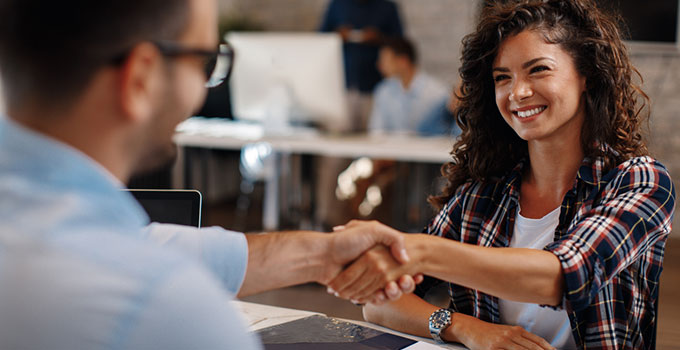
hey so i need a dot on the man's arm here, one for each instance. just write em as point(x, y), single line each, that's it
point(283, 259)
point(261, 262)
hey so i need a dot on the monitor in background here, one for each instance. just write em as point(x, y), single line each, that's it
point(284, 79)
point(182, 207)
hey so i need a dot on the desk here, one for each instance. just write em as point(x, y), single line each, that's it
point(224, 134)
point(229, 135)
point(260, 316)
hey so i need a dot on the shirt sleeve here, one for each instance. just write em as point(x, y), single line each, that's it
point(635, 211)
point(224, 253)
point(189, 311)
point(449, 221)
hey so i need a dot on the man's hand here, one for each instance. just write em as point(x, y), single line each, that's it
point(377, 276)
point(353, 239)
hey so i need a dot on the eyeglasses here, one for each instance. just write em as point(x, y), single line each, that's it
point(217, 63)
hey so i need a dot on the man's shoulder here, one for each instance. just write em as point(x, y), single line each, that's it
point(103, 286)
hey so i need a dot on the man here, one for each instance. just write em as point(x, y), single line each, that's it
point(94, 91)
point(406, 98)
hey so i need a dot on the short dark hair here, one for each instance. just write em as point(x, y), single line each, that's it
point(49, 50)
point(401, 47)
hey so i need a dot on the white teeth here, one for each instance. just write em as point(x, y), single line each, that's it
point(531, 112)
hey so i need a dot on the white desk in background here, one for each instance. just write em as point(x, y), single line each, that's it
point(223, 134)
point(260, 316)
point(228, 135)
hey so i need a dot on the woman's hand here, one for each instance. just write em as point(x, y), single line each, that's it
point(477, 334)
point(375, 268)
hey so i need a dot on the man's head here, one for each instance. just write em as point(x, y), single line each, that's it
point(51, 49)
point(396, 56)
point(97, 66)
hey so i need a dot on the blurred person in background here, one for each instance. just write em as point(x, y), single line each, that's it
point(362, 24)
point(406, 97)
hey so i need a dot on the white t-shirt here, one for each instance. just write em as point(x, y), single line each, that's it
point(551, 325)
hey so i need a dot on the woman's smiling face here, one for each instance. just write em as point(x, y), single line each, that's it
point(539, 91)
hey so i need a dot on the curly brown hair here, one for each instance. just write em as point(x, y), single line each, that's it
point(488, 147)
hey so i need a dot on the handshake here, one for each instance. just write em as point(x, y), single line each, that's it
point(369, 263)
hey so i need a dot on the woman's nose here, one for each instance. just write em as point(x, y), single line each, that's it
point(520, 90)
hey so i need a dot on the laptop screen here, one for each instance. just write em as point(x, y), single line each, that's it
point(182, 207)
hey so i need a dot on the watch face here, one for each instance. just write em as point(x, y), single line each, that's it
point(440, 318)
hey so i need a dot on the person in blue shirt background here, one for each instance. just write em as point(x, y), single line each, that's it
point(405, 100)
point(362, 24)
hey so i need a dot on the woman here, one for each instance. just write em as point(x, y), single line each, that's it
point(551, 163)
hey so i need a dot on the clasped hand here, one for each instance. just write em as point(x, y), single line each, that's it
point(374, 275)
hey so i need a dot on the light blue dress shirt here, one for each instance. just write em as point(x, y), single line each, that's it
point(399, 110)
point(79, 269)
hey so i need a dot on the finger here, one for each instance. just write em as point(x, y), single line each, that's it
point(392, 238)
point(377, 233)
point(339, 228)
point(520, 342)
point(419, 278)
point(379, 298)
point(364, 287)
point(347, 277)
point(407, 284)
point(542, 343)
point(398, 250)
point(392, 291)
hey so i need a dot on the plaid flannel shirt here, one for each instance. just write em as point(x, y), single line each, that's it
point(610, 241)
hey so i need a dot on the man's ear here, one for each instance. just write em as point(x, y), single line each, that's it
point(140, 81)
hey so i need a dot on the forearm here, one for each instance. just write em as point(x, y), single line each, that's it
point(282, 259)
point(409, 314)
point(525, 275)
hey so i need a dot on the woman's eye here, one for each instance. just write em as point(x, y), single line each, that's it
point(500, 78)
point(539, 69)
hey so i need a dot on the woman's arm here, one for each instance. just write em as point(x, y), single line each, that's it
point(410, 314)
point(517, 274)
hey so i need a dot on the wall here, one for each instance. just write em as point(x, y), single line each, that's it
point(438, 27)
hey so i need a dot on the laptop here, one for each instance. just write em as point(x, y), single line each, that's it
point(182, 207)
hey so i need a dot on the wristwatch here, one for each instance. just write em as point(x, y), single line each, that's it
point(439, 320)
